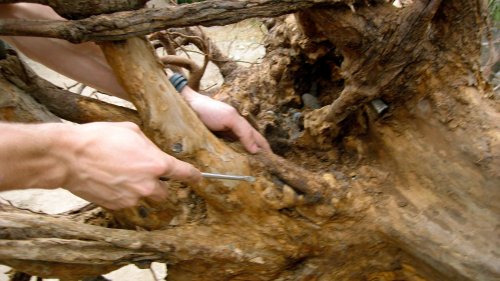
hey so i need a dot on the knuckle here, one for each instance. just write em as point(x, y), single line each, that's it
point(132, 126)
point(163, 166)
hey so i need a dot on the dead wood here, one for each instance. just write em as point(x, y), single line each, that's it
point(17, 106)
point(227, 66)
point(65, 104)
point(122, 25)
point(411, 196)
point(195, 71)
point(84, 8)
point(178, 37)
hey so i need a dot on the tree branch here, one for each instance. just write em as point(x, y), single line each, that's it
point(62, 240)
point(84, 8)
point(65, 104)
point(123, 25)
point(70, 251)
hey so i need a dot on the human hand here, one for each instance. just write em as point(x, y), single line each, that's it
point(219, 116)
point(115, 164)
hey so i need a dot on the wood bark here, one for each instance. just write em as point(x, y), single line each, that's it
point(409, 195)
point(85, 8)
point(122, 25)
point(17, 106)
point(62, 103)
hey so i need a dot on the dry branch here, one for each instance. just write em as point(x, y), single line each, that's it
point(65, 104)
point(17, 106)
point(123, 25)
point(203, 44)
point(84, 8)
point(228, 68)
point(80, 243)
point(195, 71)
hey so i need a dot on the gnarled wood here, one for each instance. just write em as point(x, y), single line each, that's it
point(411, 195)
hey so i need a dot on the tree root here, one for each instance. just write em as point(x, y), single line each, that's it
point(384, 58)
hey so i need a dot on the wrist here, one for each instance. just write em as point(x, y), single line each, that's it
point(189, 94)
point(59, 154)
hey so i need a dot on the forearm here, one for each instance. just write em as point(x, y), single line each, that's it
point(82, 62)
point(31, 156)
point(113, 171)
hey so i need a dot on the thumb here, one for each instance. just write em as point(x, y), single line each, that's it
point(180, 170)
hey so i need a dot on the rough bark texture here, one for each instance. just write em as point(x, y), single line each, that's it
point(65, 104)
point(85, 8)
point(125, 24)
point(407, 195)
point(16, 105)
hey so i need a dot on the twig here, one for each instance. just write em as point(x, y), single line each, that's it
point(70, 86)
point(21, 208)
point(210, 87)
point(153, 273)
point(241, 61)
point(190, 38)
point(80, 89)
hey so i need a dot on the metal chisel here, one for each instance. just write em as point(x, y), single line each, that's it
point(228, 177)
point(222, 177)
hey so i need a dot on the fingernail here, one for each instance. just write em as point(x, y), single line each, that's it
point(195, 176)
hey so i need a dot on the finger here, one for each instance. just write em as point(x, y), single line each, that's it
point(251, 139)
point(179, 170)
point(262, 142)
point(242, 129)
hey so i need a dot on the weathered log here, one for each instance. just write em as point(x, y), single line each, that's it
point(123, 25)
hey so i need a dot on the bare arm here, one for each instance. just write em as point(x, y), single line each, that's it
point(108, 171)
point(28, 158)
point(81, 62)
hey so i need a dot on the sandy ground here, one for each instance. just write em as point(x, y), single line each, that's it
point(243, 41)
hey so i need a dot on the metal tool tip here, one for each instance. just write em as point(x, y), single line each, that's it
point(250, 179)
